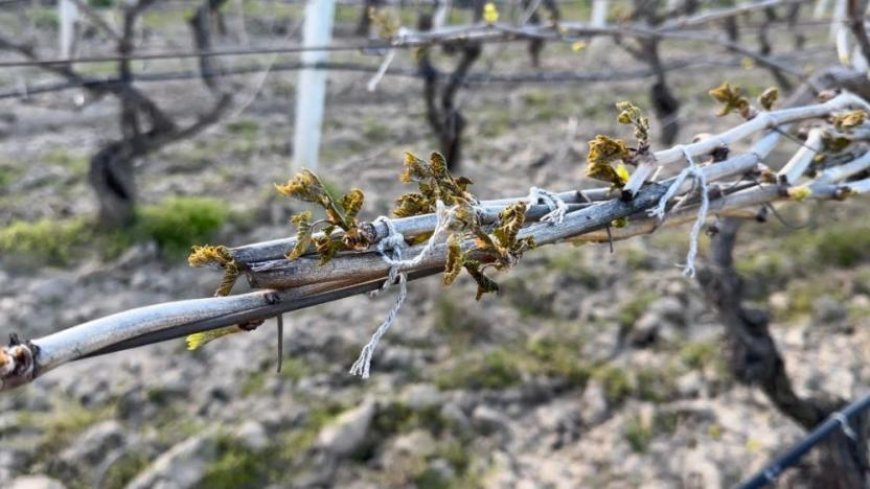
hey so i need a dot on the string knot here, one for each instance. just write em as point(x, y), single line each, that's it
point(392, 248)
point(558, 208)
point(694, 171)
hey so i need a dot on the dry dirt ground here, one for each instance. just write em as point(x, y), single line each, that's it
point(591, 369)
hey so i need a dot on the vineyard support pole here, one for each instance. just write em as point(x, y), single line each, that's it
point(311, 92)
point(68, 13)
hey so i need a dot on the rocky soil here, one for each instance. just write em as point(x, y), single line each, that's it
point(591, 369)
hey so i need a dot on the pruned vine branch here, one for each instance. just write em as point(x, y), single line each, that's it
point(730, 184)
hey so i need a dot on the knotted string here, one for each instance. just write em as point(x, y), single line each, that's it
point(697, 173)
point(554, 203)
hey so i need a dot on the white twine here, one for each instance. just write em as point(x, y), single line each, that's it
point(395, 243)
point(695, 172)
point(391, 249)
point(557, 206)
point(689, 270)
point(444, 217)
point(388, 60)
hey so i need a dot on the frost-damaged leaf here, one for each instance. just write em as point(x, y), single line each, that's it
point(434, 182)
point(308, 187)
point(603, 151)
point(341, 214)
point(484, 283)
point(511, 220)
point(305, 186)
point(203, 255)
point(352, 202)
point(415, 169)
point(768, 98)
point(438, 165)
point(465, 217)
point(455, 260)
point(630, 114)
point(732, 99)
point(411, 205)
point(326, 247)
point(302, 221)
point(219, 255)
point(231, 274)
point(354, 239)
point(849, 120)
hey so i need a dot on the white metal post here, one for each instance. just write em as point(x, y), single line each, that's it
point(68, 13)
point(599, 13)
point(311, 92)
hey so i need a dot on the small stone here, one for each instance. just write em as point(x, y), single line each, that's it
point(348, 432)
point(690, 384)
point(36, 482)
point(778, 301)
point(51, 289)
point(252, 435)
point(422, 396)
point(417, 442)
point(700, 472)
point(829, 310)
point(182, 467)
point(670, 309)
point(593, 404)
point(442, 470)
point(489, 420)
point(645, 330)
point(453, 414)
point(93, 445)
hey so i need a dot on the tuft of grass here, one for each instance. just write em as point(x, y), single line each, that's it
point(843, 246)
point(638, 434)
point(639, 431)
point(53, 242)
point(657, 385)
point(120, 473)
point(178, 223)
point(373, 130)
point(77, 162)
point(497, 369)
point(617, 384)
point(570, 263)
point(43, 18)
point(537, 98)
point(63, 423)
point(454, 322)
point(244, 127)
point(495, 123)
point(297, 442)
point(175, 224)
point(631, 310)
point(236, 467)
point(557, 358)
point(697, 355)
point(7, 175)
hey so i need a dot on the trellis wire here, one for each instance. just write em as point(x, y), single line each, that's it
point(496, 33)
point(472, 79)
